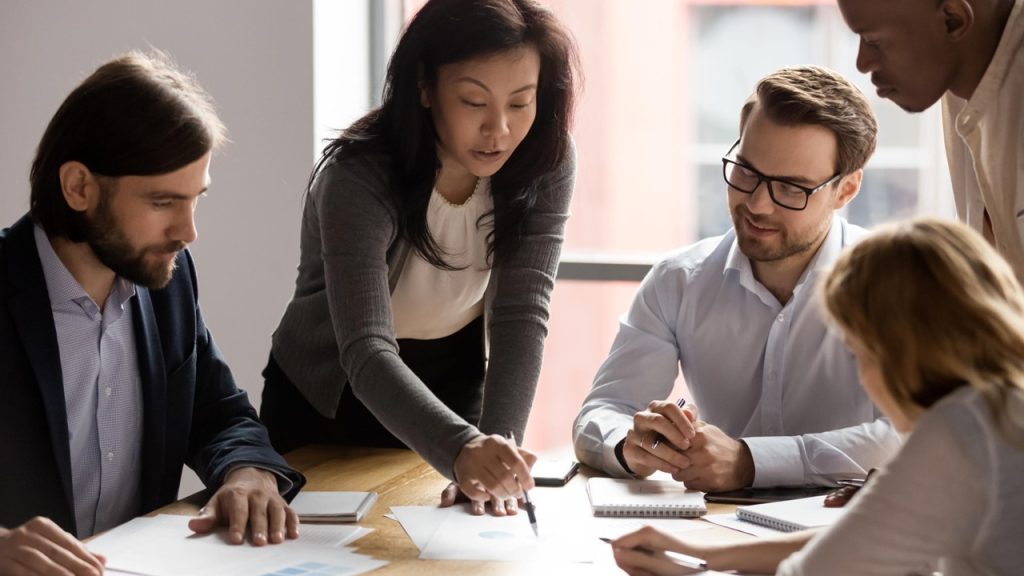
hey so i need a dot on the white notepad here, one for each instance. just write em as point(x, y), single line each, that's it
point(614, 497)
point(333, 506)
point(791, 515)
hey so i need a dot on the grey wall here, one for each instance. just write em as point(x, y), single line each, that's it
point(256, 58)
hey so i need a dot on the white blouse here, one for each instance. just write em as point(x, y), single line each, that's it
point(430, 303)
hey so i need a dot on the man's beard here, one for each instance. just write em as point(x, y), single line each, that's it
point(112, 247)
point(758, 251)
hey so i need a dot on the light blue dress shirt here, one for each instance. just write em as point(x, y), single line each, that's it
point(772, 374)
point(102, 394)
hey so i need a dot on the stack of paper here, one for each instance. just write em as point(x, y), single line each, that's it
point(164, 546)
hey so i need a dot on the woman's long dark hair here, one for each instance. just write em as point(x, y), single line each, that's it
point(445, 32)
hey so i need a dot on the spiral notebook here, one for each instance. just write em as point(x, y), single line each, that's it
point(614, 497)
point(791, 515)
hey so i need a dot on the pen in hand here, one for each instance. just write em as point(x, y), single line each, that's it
point(530, 513)
point(657, 439)
point(684, 560)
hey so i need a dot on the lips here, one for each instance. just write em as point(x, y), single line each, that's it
point(488, 155)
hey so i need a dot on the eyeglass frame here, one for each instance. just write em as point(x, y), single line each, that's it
point(761, 177)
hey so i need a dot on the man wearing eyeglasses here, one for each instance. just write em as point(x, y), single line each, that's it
point(777, 390)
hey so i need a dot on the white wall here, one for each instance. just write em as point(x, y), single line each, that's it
point(255, 57)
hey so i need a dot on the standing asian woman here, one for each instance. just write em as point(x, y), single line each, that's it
point(430, 239)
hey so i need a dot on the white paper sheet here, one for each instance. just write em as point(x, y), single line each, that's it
point(731, 521)
point(164, 546)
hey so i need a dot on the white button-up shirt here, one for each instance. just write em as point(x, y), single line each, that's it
point(985, 145)
point(102, 394)
point(775, 375)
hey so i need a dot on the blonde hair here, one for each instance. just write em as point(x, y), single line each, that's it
point(818, 96)
point(938, 308)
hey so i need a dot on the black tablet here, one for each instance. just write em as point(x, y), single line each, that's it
point(762, 495)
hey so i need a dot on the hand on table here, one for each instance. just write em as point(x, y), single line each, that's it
point(491, 468)
point(664, 421)
point(249, 496)
point(40, 547)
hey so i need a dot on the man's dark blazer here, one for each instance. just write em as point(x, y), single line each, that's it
point(192, 411)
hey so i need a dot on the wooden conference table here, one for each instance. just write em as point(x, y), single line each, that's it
point(402, 478)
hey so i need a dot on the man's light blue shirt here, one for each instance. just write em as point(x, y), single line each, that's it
point(102, 394)
point(775, 375)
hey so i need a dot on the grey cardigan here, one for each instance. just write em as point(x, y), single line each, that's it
point(338, 328)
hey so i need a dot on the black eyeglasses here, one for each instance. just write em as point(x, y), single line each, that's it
point(743, 178)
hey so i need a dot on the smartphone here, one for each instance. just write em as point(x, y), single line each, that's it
point(553, 471)
point(763, 495)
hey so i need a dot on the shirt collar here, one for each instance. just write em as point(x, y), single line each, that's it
point(62, 286)
point(827, 253)
point(991, 85)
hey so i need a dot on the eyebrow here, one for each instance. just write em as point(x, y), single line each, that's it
point(172, 195)
point(472, 80)
point(802, 180)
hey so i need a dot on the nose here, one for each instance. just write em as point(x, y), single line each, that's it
point(495, 124)
point(184, 229)
point(866, 58)
point(760, 201)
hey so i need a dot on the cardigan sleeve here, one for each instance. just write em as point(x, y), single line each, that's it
point(357, 225)
point(517, 322)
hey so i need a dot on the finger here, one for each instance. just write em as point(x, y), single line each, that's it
point(649, 538)
point(43, 556)
point(498, 506)
point(476, 507)
point(528, 456)
point(661, 422)
point(207, 518)
point(257, 519)
point(642, 563)
point(691, 411)
point(237, 513)
point(449, 494)
point(276, 520)
point(653, 461)
point(291, 520)
point(677, 416)
point(512, 506)
point(51, 532)
point(474, 492)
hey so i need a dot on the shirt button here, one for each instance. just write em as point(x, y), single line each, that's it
point(110, 456)
point(107, 391)
point(781, 317)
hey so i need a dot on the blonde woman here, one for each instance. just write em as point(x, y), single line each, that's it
point(936, 320)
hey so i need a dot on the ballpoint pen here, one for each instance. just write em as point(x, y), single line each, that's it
point(684, 560)
point(530, 513)
point(657, 439)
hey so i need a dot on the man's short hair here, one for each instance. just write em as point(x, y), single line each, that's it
point(818, 96)
point(135, 115)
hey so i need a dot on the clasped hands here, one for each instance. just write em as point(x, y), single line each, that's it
point(674, 440)
point(490, 469)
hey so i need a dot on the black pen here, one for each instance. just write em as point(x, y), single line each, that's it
point(657, 440)
point(526, 498)
point(684, 560)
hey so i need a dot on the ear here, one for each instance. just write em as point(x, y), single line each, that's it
point(958, 16)
point(849, 186)
point(79, 185)
point(424, 96)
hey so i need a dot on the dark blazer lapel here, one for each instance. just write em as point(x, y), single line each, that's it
point(33, 318)
point(154, 397)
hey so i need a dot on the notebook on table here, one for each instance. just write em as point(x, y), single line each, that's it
point(333, 506)
point(791, 515)
point(614, 497)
